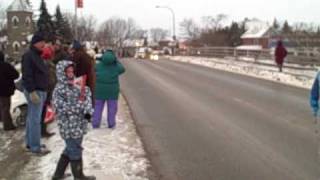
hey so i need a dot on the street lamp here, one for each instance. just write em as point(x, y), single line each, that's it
point(173, 20)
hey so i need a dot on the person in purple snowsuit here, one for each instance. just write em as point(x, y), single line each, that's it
point(107, 88)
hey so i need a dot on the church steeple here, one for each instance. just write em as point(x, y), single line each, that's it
point(20, 27)
point(20, 6)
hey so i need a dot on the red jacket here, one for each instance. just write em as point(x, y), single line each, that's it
point(280, 54)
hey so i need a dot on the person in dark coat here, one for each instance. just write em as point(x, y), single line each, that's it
point(47, 55)
point(7, 76)
point(107, 88)
point(59, 52)
point(84, 65)
point(280, 55)
point(35, 81)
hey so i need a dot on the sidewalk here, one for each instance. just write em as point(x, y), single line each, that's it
point(109, 154)
point(297, 78)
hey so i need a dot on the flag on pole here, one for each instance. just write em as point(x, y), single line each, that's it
point(79, 3)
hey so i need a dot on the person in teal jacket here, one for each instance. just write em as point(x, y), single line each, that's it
point(107, 88)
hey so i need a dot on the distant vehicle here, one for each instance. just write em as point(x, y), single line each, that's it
point(155, 55)
point(142, 53)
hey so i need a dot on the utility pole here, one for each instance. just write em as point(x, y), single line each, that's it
point(76, 19)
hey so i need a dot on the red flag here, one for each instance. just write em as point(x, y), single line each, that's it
point(79, 3)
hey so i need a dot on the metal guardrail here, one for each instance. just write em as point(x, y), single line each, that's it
point(256, 55)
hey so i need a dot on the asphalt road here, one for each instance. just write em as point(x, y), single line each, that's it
point(203, 124)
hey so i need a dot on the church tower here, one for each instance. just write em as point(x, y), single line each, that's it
point(20, 28)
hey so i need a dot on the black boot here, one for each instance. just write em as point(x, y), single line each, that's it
point(77, 171)
point(61, 167)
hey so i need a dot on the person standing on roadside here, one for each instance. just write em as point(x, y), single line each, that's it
point(73, 108)
point(35, 84)
point(280, 55)
point(59, 52)
point(84, 65)
point(47, 55)
point(7, 76)
point(107, 88)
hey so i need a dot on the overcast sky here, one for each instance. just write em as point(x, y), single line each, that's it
point(147, 16)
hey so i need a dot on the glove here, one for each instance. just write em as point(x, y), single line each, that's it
point(87, 117)
point(34, 97)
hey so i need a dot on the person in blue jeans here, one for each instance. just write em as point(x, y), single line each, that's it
point(35, 84)
point(107, 88)
point(73, 108)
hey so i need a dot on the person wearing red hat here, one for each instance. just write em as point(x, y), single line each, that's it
point(48, 55)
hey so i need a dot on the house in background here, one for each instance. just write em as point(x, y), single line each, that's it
point(257, 36)
point(20, 28)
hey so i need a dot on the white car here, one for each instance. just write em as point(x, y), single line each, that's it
point(19, 108)
point(19, 105)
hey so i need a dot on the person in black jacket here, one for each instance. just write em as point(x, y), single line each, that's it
point(35, 81)
point(7, 76)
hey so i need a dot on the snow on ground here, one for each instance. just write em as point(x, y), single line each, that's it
point(114, 154)
point(6, 141)
point(294, 77)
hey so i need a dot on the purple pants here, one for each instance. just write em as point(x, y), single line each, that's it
point(112, 112)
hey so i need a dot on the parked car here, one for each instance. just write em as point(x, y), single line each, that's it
point(19, 105)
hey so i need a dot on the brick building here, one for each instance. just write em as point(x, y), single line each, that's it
point(20, 27)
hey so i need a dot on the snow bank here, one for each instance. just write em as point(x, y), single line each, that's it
point(294, 77)
point(114, 153)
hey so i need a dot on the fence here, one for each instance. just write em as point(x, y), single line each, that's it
point(295, 57)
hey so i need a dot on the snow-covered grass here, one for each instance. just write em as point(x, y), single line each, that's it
point(114, 154)
point(289, 76)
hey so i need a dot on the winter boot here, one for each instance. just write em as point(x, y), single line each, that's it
point(61, 167)
point(77, 171)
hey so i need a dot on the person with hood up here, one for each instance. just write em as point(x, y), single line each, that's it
point(7, 76)
point(280, 54)
point(107, 88)
point(73, 108)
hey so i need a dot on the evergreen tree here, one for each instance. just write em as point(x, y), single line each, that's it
point(275, 25)
point(62, 26)
point(45, 24)
point(286, 28)
point(235, 34)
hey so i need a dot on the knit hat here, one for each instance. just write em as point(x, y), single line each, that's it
point(76, 45)
point(37, 37)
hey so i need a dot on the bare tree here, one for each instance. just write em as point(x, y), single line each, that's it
point(139, 34)
point(85, 26)
point(189, 29)
point(214, 23)
point(158, 33)
point(116, 30)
